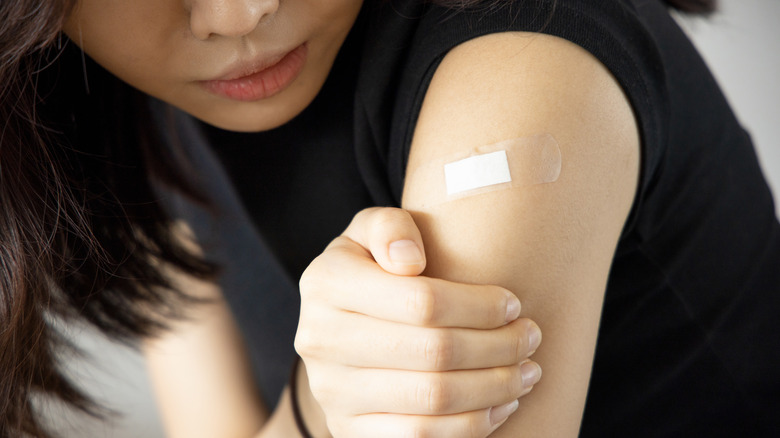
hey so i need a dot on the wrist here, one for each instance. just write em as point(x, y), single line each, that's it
point(309, 416)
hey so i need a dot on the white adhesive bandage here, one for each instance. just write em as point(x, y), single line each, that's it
point(476, 172)
point(518, 162)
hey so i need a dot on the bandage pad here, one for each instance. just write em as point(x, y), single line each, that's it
point(518, 162)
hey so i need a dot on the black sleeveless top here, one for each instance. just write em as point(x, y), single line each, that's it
point(689, 342)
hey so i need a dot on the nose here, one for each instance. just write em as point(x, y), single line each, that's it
point(230, 18)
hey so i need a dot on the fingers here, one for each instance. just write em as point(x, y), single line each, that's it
point(344, 279)
point(352, 274)
point(431, 393)
point(392, 353)
point(475, 424)
point(391, 237)
point(404, 347)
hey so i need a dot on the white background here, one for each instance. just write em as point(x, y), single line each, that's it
point(741, 44)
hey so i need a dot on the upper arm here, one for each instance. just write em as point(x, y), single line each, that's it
point(553, 243)
point(200, 371)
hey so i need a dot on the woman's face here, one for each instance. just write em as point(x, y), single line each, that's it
point(243, 65)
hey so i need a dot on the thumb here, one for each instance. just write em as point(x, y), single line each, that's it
point(392, 238)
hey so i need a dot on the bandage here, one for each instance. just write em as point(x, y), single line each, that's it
point(518, 162)
point(477, 172)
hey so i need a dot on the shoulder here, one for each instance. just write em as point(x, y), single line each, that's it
point(612, 36)
point(514, 85)
point(521, 79)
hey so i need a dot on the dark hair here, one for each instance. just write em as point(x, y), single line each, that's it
point(82, 234)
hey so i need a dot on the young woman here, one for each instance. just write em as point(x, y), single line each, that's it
point(623, 213)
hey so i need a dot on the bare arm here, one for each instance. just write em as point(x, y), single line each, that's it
point(552, 244)
point(201, 375)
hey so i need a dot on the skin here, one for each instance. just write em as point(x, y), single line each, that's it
point(551, 244)
point(164, 47)
point(184, 364)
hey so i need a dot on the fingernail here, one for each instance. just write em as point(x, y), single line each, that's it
point(405, 252)
point(500, 413)
point(534, 337)
point(531, 372)
point(512, 307)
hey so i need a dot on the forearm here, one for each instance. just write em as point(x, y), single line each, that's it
point(201, 377)
point(203, 383)
point(199, 367)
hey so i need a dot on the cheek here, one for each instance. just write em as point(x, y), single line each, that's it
point(335, 15)
point(132, 39)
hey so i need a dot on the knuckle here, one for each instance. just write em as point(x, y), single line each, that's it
point(387, 222)
point(511, 380)
point(438, 350)
point(520, 345)
point(311, 278)
point(434, 395)
point(367, 212)
point(319, 386)
point(360, 218)
point(306, 283)
point(319, 274)
point(390, 215)
point(505, 381)
point(307, 343)
point(302, 341)
point(496, 314)
point(421, 302)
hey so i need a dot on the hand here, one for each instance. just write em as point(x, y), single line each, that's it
point(390, 353)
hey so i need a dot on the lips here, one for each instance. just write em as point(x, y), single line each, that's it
point(261, 80)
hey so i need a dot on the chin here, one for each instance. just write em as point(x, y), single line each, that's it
point(251, 116)
point(248, 119)
point(247, 124)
